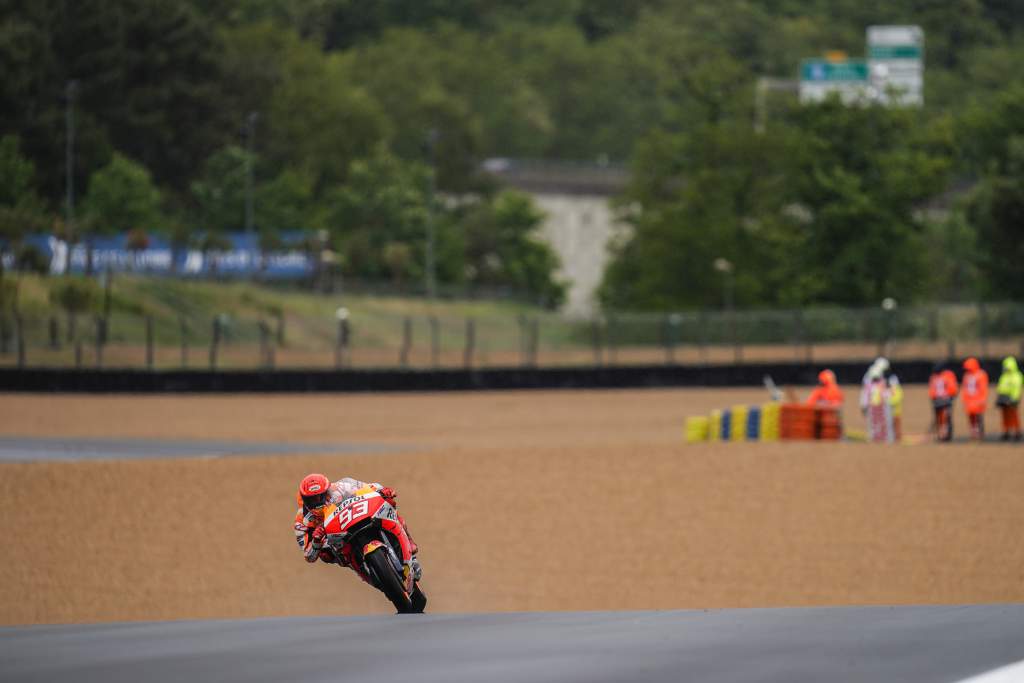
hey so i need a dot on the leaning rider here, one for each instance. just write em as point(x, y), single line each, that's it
point(315, 492)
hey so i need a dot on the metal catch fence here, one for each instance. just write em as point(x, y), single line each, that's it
point(387, 339)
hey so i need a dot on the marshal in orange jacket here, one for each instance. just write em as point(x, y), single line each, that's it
point(974, 387)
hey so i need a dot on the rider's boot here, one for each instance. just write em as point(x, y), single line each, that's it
point(413, 550)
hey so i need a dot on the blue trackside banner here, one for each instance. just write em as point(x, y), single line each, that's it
point(244, 258)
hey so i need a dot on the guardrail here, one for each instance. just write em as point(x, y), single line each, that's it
point(141, 381)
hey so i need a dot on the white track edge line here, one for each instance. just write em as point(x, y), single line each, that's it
point(1011, 673)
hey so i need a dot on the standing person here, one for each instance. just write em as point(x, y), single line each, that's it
point(942, 390)
point(975, 392)
point(895, 389)
point(1008, 393)
point(879, 367)
point(878, 407)
point(827, 394)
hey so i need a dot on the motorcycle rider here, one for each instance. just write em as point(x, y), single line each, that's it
point(315, 492)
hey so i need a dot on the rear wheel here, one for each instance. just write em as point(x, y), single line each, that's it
point(390, 581)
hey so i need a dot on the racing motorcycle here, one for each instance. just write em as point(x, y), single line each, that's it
point(363, 532)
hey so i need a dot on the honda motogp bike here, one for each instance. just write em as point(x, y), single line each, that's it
point(363, 532)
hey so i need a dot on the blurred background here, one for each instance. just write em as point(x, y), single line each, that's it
point(334, 183)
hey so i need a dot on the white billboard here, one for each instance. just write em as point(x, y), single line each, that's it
point(896, 64)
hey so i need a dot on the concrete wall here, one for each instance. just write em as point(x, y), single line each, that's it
point(579, 228)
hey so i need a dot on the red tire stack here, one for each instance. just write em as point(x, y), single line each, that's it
point(802, 422)
point(829, 426)
point(797, 421)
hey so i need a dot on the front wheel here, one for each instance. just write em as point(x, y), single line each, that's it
point(390, 582)
point(418, 600)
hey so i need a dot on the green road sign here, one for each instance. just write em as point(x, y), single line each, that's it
point(894, 52)
point(820, 70)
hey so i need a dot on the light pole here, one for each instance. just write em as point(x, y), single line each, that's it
point(725, 267)
point(889, 306)
point(431, 282)
point(70, 93)
point(764, 85)
point(250, 134)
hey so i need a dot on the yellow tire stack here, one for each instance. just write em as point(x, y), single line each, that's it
point(739, 423)
point(770, 421)
point(696, 429)
point(715, 426)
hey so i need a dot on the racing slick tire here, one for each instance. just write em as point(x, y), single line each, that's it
point(390, 582)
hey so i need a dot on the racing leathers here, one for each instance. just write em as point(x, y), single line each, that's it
point(309, 528)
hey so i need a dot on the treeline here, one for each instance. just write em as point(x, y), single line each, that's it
point(348, 114)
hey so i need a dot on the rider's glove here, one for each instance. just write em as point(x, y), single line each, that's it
point(388, 494)
point(311, 553)
point(315, 544)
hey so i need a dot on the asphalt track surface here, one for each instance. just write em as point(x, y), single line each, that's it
point(41, 449)
point(910, 644)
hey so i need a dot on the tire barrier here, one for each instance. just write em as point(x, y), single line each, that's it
point(770, 419)
point(768, 422)
point(715, 426)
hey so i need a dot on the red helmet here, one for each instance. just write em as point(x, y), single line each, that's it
point(313, 490)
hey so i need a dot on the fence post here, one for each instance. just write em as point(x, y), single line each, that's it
point(214, 342)
point(264, 330)
point(610, 340)
point(737, 346)
point(524, 342)
point(100, 339)
point(5, 334)
point(435, 342)
point(597, 341)
point(183, 325)
point(983, 328)
point(467, 357)
point(54, 333)
point(669, 337)
point(149, 342)
point(535, 342)
point(403, 356)
point(703, 324)
point(798, 333)
point(280, 328)
point(72, 326)
point(19, 332)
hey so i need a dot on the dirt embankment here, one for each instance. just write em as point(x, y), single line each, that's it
point(520, 501)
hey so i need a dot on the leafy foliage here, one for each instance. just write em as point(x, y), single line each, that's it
point(350, 115)
point(121, 197)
